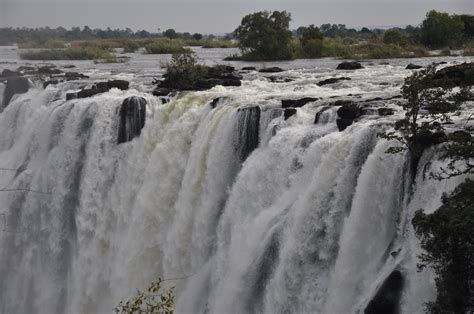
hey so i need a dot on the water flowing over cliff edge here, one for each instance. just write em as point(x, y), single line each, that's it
point(252, 211)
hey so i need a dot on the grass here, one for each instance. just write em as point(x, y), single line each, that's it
point(47, 44)
point(164, 45)
point(72, 53)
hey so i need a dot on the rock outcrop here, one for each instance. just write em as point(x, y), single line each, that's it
point(15, 85)
point(132, 116)
point(349, 66)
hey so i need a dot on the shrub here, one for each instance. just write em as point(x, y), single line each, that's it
point(392, 36)
point(153, 300)
point(163, 46)
point(440, 29)
point(312, 42)
point(184, 71)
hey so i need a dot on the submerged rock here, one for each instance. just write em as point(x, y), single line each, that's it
point(249, 69)
point(342, 124)
point(15, 85)
point(385, 111)
point(412, 66)
point(132, 118)
point(349, 66)
point(349, 111)
point(333, 80)
point(271, 70)
point(287, 103)
point(387, 299)
point(101, 87)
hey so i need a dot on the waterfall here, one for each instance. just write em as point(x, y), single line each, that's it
point(249, 209)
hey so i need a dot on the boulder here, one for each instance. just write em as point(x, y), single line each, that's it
point(9, 73)
point(387, 298)
point(249, 69)
point(287, 103)
point(412, 66)
point(50, 82)
point(120, 84)
point(132, 118)
point(279, 79)
point(349, 111)
point(271, 70)
point(342, 124)
point(385, 111)
point(349, 66)
point(98, 88)
point(460, 136)
point(289, 112)
point(49, 70)
point(15, 85)
point(457, 75)
point(70, 96)
point(161, 91)
point(73, 76)
point(332, 80)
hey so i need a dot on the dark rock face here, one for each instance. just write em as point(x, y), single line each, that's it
point(271, 70)
point(387, 299)
point(289, 112)
point(50, 82)
point(249, 69)
point(161, 91)
point(287, 103)
point(349, 66)
point(214, 102)
point(319, 113)
point(349, 111)
point(8, 73)
point(98, 88)
point(342, 124)
point(460, 136)
point(457, 75)
point(385, 111)
point(132, 118)
point(333, 80)
point(15, 85)
point(412, 66)
point(73, 76)
point(248, 131)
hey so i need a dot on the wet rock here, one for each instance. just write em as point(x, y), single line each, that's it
point(460, 136)
point(319, 113)
point(15, 85)
point(161, 91)
point(27, 69)
point(224, 82)
point(387, 299)
point(50, 82)
point(69, 66)
point(214, 102)
point(249, 69)
point(333, 80)
point(271, 70)
point(412, 66)
point(120, 84)
point(132, 118)
point(279, 79)
point(89, 92)
point(70, 96)
point(342, 124)
point(98, 88)
point(49, 70)
point(457, 75)
point(9, 73)
point(385, 111)
point(289, 112)
point(349, 111)
point(287, 103)
point(349, 66)
point(73, 76)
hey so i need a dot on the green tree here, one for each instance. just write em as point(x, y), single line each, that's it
point(425, 107)
point(265, 36)
point(447, 239)
point(197, 36)
point(392, 36)
point(440, 29)
point(170, 33)
point(312, 41)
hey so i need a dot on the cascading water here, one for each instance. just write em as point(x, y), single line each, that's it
point(250, 210)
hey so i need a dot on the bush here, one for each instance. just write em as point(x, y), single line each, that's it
point(392, 36)
point(312, 42)
point(49, 44)
point(163, 46)
point(440, 29)
point(153, 300)
point(184, 71)
point(73, 53)
point(447, 239)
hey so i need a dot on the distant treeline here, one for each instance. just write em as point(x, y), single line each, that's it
point(9, 35)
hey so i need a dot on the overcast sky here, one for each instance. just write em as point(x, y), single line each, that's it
point(217, 16)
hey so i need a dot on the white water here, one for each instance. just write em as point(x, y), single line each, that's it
point(307, 223)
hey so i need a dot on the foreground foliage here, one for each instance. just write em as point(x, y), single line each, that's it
point(153, 300)
point(447, 238)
